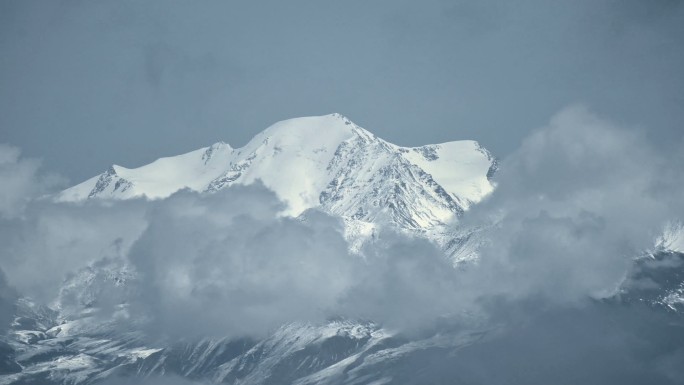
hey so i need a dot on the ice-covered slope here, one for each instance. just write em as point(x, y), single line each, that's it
point(672, 238)
point(326, 162)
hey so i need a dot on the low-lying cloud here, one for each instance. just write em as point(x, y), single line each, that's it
point(8, 297)
point(21, 181)
point(575, 204)
point(222, 264)
point(227, 264)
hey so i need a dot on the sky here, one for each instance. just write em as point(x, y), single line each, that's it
point(581, 101)
point(87, 84)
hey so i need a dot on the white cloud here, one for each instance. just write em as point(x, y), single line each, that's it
point(18, 178)
point(575, 203)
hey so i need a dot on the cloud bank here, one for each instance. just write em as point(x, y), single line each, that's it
point(223, 264)
point(575, 204)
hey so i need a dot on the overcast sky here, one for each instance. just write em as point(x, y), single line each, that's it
point(582, 189)
point(84, 84)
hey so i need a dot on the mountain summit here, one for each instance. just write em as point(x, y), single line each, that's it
point(322, 161)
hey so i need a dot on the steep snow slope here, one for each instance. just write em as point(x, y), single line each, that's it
point(158, 179)
point(672, 238)
point(324, 161)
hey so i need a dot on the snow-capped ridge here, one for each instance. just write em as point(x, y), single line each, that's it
point(325, 161)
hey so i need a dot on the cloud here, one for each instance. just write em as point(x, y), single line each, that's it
point(51, 241)
point(19, 181)
point(593, 344)
point(228, 264)
point(7, 303)
point(575, 204)
point(222, 264)
point(404, 283)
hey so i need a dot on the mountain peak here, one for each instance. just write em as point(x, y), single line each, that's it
point(329, 128)
point(320, 161)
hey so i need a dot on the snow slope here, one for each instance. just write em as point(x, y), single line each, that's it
point(672, 238)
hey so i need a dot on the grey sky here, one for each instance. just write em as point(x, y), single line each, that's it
point(86, 84)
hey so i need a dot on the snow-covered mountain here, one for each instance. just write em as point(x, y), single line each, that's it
point(326, 162)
